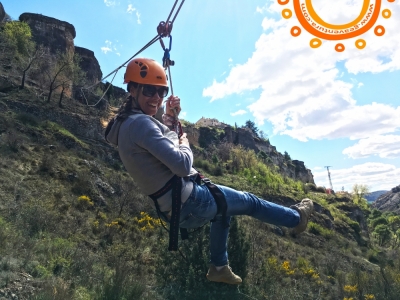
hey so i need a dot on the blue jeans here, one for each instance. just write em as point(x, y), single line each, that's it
point(200, 208)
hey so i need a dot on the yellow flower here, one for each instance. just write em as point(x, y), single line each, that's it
point(369, 297)
point(147, 221)
point(286, 265)
point(85, 200)
point(96, 224)
point(350, 288)
point(315, 276)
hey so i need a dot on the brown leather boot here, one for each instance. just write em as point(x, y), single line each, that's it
point(304, 208)
point(224, 275)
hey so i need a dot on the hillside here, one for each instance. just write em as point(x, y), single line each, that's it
point(371, 197)
point(389, 201)
point(74, 222)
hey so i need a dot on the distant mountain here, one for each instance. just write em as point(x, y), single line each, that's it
point(389, 201)
point(371, 197)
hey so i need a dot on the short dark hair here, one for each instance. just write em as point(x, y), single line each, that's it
point(131, 84)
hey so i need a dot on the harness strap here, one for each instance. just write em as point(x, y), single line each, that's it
point(219, 198)
point(175, 183)
point(175, 216)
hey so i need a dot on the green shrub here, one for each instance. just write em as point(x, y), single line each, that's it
point(319, 230)
point(218, 170)
point(379, 221)
point(311, 187)
point(356, 226)
point(28, 119)
point(321, 189)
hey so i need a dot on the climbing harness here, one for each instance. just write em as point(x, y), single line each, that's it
point(175, 183)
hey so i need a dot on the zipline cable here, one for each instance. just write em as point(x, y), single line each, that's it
point(172, 10)
point(156, 38)
point(164, 29)
point(180, 6)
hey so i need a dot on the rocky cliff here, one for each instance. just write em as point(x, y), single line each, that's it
point(2, 12)
point(59, 36)
point(204, 136)
point(52, 33)
point(89, 64)
point(389, 201)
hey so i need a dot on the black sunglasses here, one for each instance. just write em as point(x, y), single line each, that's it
point(151, 90)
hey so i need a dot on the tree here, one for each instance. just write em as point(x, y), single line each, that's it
point(18, 35)
point(379, 221)
point(262, 155)
point(250, 124)
point(18, 48)
point(383, 233)
point(287, 156)
point(359, 191)
point(15, 40)
point(61, 73)
point(34, 55)
point(394, 222)
point(263, 135)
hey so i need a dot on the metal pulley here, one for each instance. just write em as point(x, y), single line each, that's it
point(164, 29)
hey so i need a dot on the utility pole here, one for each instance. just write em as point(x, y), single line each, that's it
point(329, 176)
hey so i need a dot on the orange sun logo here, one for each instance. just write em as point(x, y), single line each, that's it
point(321, 30)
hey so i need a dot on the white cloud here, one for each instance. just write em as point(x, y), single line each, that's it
point(262, 10)
point(384, 146)
point(239, 112)
point(110, 47)
point(107, 48)
point(360, 84)
point(378, 176)
point(303, 94)
point(183, 114)
point(110, 3)
point(130, 9)
point(138, 18)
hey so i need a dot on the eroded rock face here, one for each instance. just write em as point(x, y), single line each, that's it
point(2, 12)
point(389, 201)
point(52, 33)
point(89, 64)
point(203, 136)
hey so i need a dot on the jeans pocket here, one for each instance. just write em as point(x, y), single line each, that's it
point(192, 221)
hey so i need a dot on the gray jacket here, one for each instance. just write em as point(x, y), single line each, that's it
point(151, 153)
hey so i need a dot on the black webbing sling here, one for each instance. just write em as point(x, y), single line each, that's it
point(175, 183)
point(218, 195)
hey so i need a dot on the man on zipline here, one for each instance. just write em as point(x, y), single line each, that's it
point(160, 162)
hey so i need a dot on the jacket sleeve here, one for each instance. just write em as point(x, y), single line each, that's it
point(146, 134)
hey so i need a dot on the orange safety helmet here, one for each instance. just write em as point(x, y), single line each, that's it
point(145, 71)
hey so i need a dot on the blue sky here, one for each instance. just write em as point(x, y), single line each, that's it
point(236, 61)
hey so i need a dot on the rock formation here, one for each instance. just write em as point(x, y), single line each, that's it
point(2, 12)
point(89, 64)
point(204, 136)
point(389, 201)
point(55, 34)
